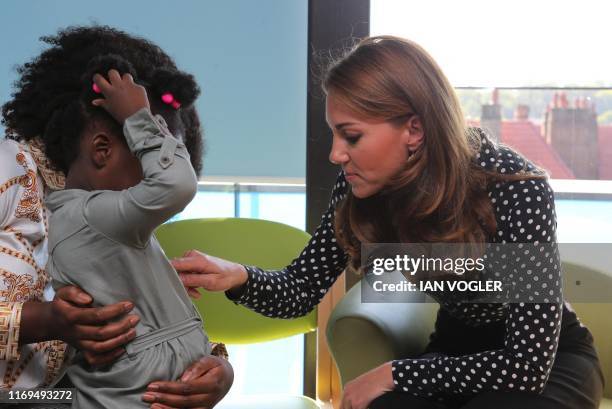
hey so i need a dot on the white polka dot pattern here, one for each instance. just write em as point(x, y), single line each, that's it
point(298, 288)
point(525, 214)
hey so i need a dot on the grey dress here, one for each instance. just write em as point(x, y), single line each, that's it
point(103, 242)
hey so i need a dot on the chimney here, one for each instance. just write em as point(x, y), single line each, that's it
point(490, 119)
point(572, 132)
point(521, 113)
point(563, 100)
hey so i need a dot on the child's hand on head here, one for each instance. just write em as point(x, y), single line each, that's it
point(122, 96)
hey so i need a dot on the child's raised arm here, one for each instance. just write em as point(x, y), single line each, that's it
point(169, 181)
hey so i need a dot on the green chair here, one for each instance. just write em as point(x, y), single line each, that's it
point(596, 316)
point(393, 331)
point(262, 243)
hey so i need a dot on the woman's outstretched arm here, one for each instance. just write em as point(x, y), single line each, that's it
point(287, 293)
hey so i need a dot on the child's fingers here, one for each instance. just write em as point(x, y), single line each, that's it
point(102, 83)
point(127, 77)
point(113, 76)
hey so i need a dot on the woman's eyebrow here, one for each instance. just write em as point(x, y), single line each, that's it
point(342, 125)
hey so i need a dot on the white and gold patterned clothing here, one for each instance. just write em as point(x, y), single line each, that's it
point(23, 255)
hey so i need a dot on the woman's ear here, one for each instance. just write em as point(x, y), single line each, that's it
point(413, 133)
point(100, 148)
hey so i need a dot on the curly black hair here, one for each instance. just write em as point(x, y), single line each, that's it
point(52, 98)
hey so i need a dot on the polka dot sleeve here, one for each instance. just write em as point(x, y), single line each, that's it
point(296, 289)
point(532, 328)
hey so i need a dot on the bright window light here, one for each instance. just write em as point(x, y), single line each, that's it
point(506, 43)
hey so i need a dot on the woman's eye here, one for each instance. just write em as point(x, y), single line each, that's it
point(352, 139)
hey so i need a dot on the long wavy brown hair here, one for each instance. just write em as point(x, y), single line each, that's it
point(441, 194)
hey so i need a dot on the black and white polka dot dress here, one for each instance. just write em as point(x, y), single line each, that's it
point(475, 347)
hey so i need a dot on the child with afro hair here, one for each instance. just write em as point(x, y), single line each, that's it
point(114, 115)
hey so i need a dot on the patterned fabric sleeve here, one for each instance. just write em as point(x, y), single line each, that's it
point(23, 254)
point(10, 317)
point(296, 289)
point(11, 177)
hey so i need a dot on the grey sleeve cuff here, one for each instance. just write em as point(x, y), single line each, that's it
point(143, 131)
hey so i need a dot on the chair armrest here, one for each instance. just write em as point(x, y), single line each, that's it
point(362, 336)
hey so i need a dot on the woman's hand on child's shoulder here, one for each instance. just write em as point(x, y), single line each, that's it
point(122, 96)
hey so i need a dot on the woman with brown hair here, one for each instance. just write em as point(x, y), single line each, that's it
point(412, 172)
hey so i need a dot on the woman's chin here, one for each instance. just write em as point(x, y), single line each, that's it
point(361, 191)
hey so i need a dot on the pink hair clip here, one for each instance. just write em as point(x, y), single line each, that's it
point(96, 89)
point(168, 98)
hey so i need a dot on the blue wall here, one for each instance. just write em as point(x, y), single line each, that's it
point(248, 56)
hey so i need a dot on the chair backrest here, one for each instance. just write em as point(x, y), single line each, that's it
point(586, 285)
point(261, 243)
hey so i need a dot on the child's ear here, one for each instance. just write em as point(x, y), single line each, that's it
point(101, 149)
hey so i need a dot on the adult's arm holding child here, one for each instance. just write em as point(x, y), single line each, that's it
point(70, 318)
point(26, 314)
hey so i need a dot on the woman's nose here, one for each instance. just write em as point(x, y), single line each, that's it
point(338, 154)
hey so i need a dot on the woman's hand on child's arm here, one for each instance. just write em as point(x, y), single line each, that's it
point(202, 385)
point(197, 269)
point(122, 96)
